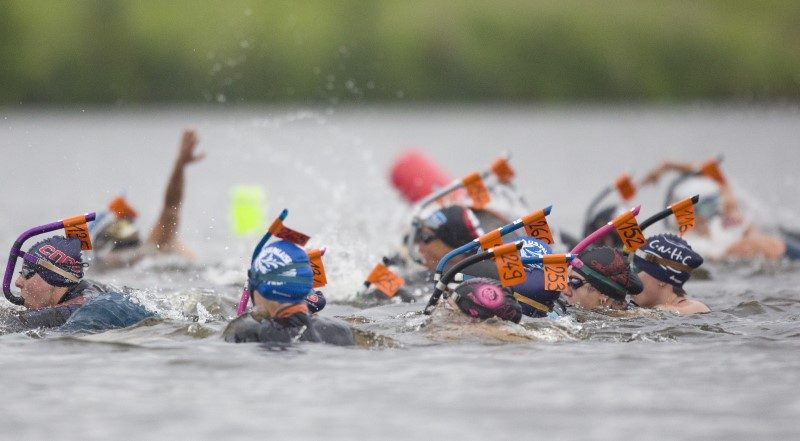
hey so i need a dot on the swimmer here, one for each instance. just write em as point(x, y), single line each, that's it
point(448, 229)
point(443, 231)
point(116, 239)
point(56, 292)
point(483, 298)
point(721, 230)
point(604, 281)
point(280, 285)
point(664, 264)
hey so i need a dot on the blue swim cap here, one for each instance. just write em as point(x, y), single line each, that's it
point(281, 273)
point(534, 299)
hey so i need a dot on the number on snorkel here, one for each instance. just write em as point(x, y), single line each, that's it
point(602, 231)
point(683, 211)
point(474, 244)
point(317, 268)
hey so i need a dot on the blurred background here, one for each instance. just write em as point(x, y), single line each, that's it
point(351, 51)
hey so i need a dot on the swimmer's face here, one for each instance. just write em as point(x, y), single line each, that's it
point(38, 293)
point(580, 293)
point(431, 248)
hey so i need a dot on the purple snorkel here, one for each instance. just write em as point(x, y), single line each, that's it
point(16, 252)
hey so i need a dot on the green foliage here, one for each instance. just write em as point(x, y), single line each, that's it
point(248, 51)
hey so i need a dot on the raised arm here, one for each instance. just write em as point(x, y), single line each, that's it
point(653, 176)
point(165, 230)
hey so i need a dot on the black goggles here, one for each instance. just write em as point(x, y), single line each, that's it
point(425, 236)
point(576, 282)
point(27, 271)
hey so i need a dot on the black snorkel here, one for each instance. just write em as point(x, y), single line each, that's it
point(665, 213)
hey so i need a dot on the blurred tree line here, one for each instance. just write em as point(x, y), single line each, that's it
point(248, 51)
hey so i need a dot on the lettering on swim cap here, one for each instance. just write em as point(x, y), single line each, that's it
point(533, 248)
point(58, 257)
point(436, 220)
point(273, 258)
point(671, 251)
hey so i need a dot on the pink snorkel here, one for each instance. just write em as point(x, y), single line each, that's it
point(243, 301)
point(600, 232)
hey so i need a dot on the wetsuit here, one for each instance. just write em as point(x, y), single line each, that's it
point(299, 326)
point(87, 306)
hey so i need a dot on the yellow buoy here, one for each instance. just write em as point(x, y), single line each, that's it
point(247, 209)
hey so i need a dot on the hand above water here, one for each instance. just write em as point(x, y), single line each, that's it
point(187, 153)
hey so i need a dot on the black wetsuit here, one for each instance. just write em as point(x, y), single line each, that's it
point(296, 327)
point(56, 315)
point(87, 306)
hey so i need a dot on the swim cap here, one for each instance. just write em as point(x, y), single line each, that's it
point(115, 234)
point(281, 272)
point(668, 258)
point(62, 252)
point(709, 192)
point(484, 298)
point(608, 272)
point(534, 300)
point(454, 225)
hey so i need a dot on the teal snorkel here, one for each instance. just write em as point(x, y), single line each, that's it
point(16, 252)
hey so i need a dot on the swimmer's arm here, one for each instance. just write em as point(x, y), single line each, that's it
point(731, 212)
point(691, 306)
point(165, 229)
point(653, 176)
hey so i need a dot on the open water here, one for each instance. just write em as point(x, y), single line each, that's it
point(732, 374)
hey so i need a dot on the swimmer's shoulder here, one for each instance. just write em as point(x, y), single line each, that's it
point(691, 306)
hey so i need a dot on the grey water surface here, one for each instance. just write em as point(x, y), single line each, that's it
point(732, 374)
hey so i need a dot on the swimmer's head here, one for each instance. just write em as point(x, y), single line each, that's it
point(114, 230)
point(669, 259)
point(64, 253)
point(116, 235)
point(484, 298)
point(709, 204)
point(444, 230)
point(281, 273)
point(454, 225)
point(607, 271)
point(59, 266)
